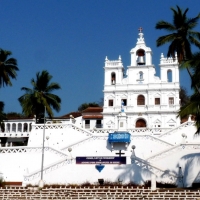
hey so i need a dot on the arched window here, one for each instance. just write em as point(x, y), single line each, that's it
point(25, 127)
point(19, 127)
point(13, 127)
point(30, 127)
point(140, 75)
point(8, 128)
point(113, 78)
point(140, 100)
point(169, 75)
point(140, 123)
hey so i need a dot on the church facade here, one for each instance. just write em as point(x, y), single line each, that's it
point(134, 137)
point(149, 101)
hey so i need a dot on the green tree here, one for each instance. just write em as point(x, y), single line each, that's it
point(14, 115)
point(182, 34)
point(192, 108)
point(181, 37)
point(184, 96)
point(2, 116)
point(86, 105)
point(36, 99)
point(8, 68)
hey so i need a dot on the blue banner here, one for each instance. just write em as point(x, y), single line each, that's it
point(110, 160)
point(119, 137)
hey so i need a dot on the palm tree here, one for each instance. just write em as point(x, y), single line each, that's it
point(2, 116)
point(194, 64)
point(8, 68)
point(192, 108)
point(35, 100)
point(182, 34)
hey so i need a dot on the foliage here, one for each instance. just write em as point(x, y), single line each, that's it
point(2, 116)
point(181, 36)
point(2, 183)
point(183, 96)
point(8, 68)
point(86, 105)
point(194, 64)
point(35, 100)
point(192, 108)
point(14, 115)
point(161, 185)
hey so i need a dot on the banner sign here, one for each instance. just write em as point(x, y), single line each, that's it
point(101, 160)
point(119, 137)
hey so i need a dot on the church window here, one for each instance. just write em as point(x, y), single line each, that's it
point(98, 124)
point(169, 75)
point(141, 75)
point(87, 123)
point(125, 102)
point(171, 100)
point(113, 78)
point(110, 102)
point(140, 100)
point(157, 101)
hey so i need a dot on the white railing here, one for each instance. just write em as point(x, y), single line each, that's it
point(154, 169)
point(174, 149)
point(81, 142)
point(25, 149)
point(152, 138)
point(175, 130)
point(47, 169)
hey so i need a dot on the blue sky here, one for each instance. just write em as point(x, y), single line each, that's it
point(71, 38)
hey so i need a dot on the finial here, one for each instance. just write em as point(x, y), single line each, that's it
point(106, 58)
point(140, 29)
point(120, 57)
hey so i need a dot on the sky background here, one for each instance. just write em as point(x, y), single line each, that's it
point(71, 38)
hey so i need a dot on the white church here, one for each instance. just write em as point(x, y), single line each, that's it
point(134, 137)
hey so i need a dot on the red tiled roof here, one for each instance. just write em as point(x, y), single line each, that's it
point(74, 114)
point(93, 109)
point(92, 117)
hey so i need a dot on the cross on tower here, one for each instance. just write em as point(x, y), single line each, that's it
point(140, 29)
point(120, 153)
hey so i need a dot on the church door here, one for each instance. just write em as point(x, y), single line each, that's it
point(140, 123)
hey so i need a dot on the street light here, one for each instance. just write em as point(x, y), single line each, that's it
point(41, 182)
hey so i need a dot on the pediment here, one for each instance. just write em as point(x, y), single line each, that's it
point(157, 94)
point(111, 96)
point(171, 121)
point(171, 94)
point(157, 121)
point(110, 122)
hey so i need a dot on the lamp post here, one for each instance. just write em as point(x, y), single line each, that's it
point(41, 182)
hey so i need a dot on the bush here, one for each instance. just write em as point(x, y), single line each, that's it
point(161, 185)
point(2, 183)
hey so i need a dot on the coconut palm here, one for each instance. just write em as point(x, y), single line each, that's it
point(2, 116)
point(36, 99)
point(194, 64)
point(8, 68)
point(192, 108)
point(182, 34)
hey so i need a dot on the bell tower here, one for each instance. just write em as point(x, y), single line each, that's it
point(141, 54)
